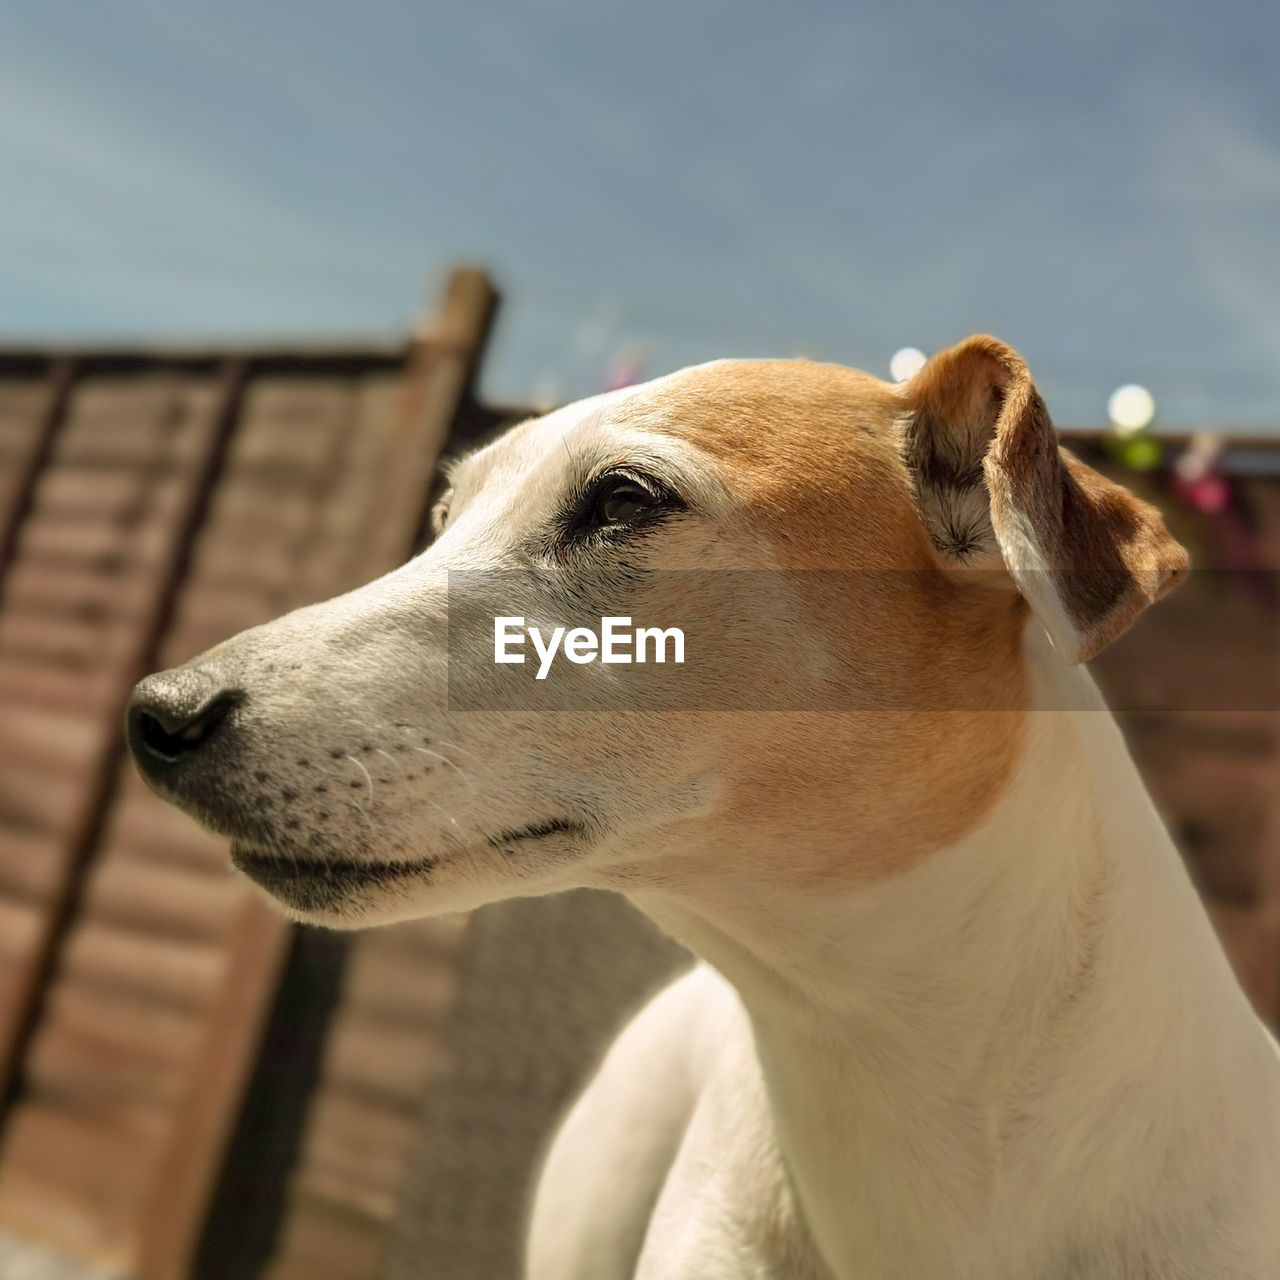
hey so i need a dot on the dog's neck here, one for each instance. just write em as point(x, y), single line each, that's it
point(952, 1047)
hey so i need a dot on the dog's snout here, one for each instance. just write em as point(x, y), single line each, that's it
point(172, 715)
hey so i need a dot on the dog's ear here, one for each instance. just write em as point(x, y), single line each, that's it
point(993, 485)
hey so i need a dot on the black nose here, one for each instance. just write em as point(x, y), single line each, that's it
point(172, 715)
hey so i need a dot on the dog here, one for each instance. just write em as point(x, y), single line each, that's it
point(958, 1012)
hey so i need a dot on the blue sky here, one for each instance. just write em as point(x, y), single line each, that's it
point(1097, 183)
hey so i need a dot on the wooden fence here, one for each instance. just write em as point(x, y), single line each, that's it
point(151, 505)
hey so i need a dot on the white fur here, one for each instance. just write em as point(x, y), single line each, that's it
point(1020, 1057)
point(1026, 1057)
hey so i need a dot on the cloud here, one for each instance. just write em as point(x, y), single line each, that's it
point(724, 178)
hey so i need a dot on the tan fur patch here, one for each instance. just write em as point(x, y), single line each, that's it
point(811, 459)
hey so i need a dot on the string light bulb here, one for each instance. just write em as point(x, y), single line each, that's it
point(1132, 409)
point(906, 363)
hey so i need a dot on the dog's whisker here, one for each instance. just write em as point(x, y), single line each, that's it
point(368, 777)
point(435, 755)
point(393, 760)
point(453, 746)
point(443, 812)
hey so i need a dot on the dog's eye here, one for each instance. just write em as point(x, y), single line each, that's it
point(620, 500)
point(617, 503)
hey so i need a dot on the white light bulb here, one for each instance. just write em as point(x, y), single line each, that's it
point(1131, 409)
point(906, 363)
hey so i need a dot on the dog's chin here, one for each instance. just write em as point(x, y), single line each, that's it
point(325, 885)
point(341, 893)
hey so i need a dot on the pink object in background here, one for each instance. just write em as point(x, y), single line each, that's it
point(625, 369)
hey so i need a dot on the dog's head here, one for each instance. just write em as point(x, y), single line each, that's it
point(853, 564)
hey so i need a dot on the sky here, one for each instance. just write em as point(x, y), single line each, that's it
point(662, 183)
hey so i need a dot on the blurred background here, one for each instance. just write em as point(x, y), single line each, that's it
point(251, 261)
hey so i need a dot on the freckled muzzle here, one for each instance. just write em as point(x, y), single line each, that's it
point(298, 781)
point(199, 741)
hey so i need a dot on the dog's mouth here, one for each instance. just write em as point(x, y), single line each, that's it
point(316, 884)
point(311, 883)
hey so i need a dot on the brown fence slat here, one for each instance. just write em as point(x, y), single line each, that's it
point(322, 472)
point(110, 665)
point(25, 444)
